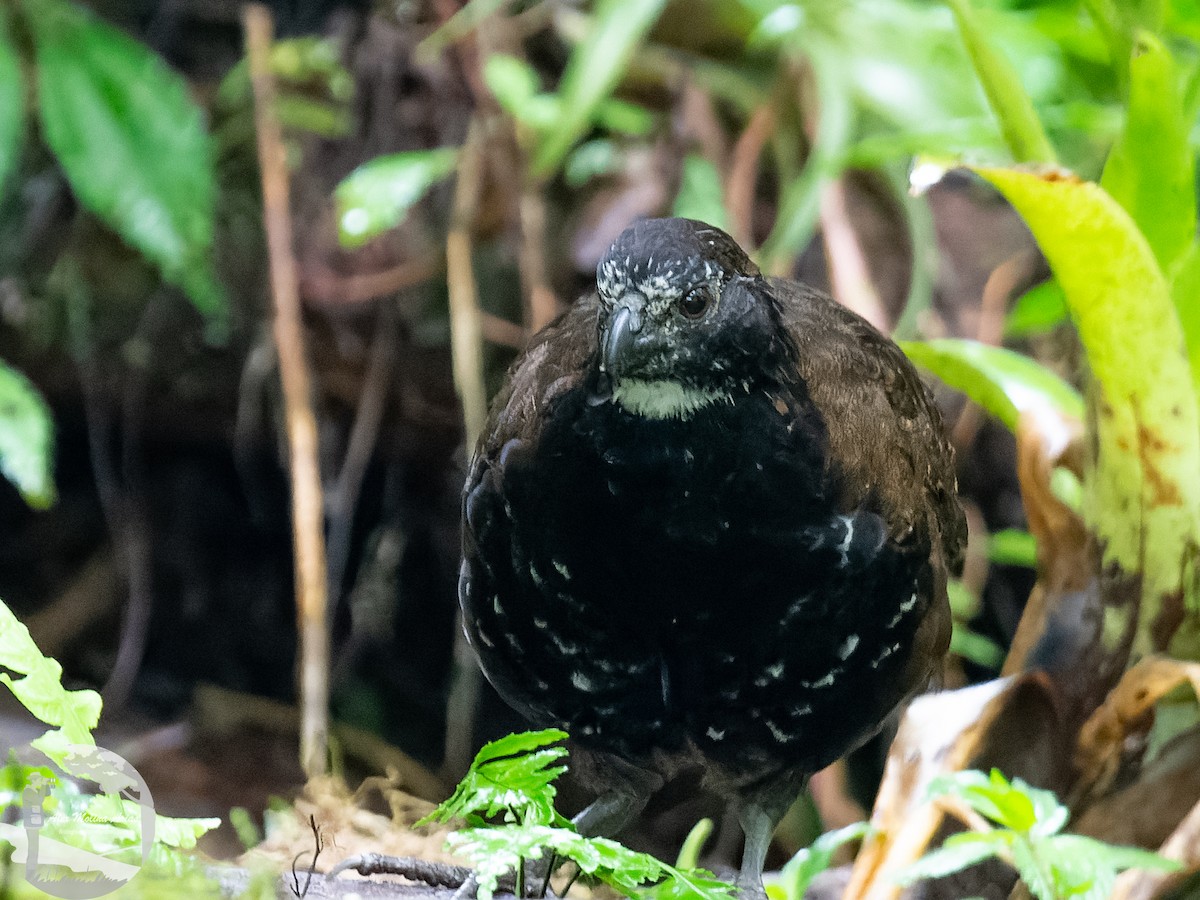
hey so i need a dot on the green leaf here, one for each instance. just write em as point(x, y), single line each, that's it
point(12, 102)
point(799, 202)
point(1019, 123)
point(1013, 547)
point(958, 852)
point(693, 844)
point(700, 194)
point(1039, 309)
point(801, 869)
point(182, 833)
point(1006, 384)
point(132, 144)
point(1144, 398)
point(1034, 870)
point(26, 439)
point(595, 67)
point(1114, 857)
point(1151, 169)
point(378, 194)
point(512, 82)
point(512, 776)
point(73, 713)
point(1185, 292)
point(981, 650)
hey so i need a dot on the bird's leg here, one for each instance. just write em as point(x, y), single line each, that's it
point(758, 824)
point(609, 813)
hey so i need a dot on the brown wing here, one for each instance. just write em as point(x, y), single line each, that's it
point(553, 363)
point(884, 429)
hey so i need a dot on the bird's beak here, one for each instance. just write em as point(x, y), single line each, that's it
point(623, 327)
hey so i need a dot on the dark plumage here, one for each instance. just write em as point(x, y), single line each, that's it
point(709, 525)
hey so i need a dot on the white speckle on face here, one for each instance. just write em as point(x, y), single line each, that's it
point(802, 710)
point(776, 671)
point(582, 682)
point(540, 624)
point(848, 646)
point(778, 733)
point(663, 399)
point(714, 734)
point(562, 570)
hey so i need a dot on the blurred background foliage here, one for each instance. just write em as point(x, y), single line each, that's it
point(146, 534)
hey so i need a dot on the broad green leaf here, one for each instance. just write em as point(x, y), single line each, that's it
point(26, 439)
point(12, 102)
point(700, 195)
point(73, 713)
point(799, 203)
point(512, 776)
point(182, 833)
point(1019, 123)
point(590, 160)
point(132, 144)
point(595, 67)
point(1143, 498)
point(378, 194)
point(512, 82)
point(1185, 292)
point(1151, 170)
point(1012, 547)
point(1034, 870)
point(1114, 857)
point(1005, 383)
point(957, 852)
point(801, 869)
point(1039, 309)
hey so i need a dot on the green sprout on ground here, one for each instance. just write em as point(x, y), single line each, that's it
point(1028, 836)
point(507, 802)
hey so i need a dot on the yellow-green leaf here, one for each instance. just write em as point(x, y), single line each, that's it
point(1151, 170)
point(1143, 498)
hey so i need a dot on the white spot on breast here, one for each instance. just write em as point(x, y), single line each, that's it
point(566, 648)
point(485, 640)
point(584, 683)
point(540, 624)
point(537, 579)
point(802, 710)
point(848, 646)
point(844, 547)
point(714, 734)
point(825, 681)
point(778, 733)
point(562, 570)
point(884, 654)
point(496, 604)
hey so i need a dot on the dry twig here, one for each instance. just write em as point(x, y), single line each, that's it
point(307, 506)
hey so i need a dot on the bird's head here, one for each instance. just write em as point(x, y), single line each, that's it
point(686, 320)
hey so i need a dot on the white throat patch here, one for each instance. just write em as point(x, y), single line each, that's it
point(662, 399)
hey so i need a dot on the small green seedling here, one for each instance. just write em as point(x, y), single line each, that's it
point(507, 801)
point(1054, 866)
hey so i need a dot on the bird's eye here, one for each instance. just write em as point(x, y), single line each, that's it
point(694, 303)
